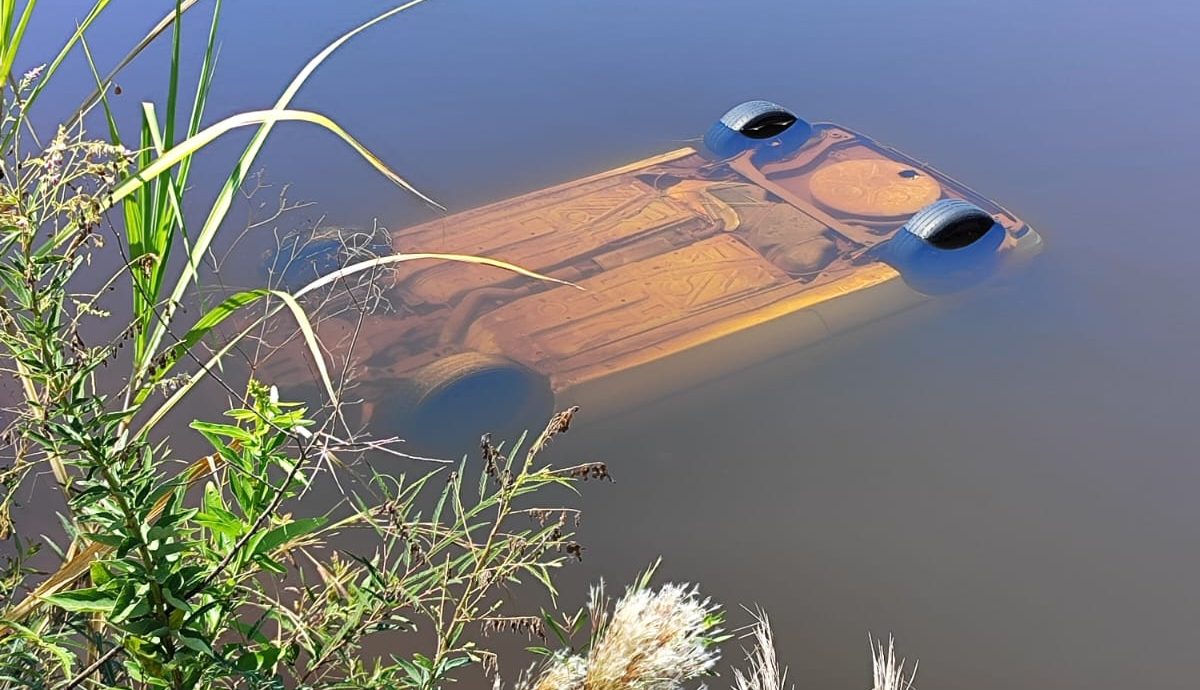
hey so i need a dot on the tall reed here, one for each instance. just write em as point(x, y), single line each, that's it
point(219, 572)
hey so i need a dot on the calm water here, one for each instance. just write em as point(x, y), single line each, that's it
point(1009, 484)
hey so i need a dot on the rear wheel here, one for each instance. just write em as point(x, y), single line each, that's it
point(948, 246)
point(447, 405)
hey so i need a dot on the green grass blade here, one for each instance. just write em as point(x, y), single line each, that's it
point(173, 81)
point(12, 42)
point(167, 213)
point(95, 12)
point(163, 219)
point(172, 201)
point(177, 184)
point(225, 199)
point(163, 24)
point(200, 330)
point(400, 258)
point(8, 8)
point(190, 146)
point(203, 86)
point(215, 359)
point(140, 222)
point(114, 134)
point(310, 339)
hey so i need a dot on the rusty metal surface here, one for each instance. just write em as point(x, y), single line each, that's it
point(874, 188)
point(632, 312)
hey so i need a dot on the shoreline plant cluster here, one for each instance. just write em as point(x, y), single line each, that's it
point(217, 571)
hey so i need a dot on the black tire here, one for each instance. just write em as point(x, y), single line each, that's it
point(950, 223)
point(303, 257)
point(946, 247)
point(448, 404)
point(767, 127)
point(758, 119)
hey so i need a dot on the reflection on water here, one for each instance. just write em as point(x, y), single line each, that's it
point(1006, 480)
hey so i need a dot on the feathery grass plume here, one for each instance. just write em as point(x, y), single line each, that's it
point(888, 670)
point(651, 640)
point(764, 672)
point(561, 672)
point(655, 640)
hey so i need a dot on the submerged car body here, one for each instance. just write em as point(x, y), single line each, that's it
point(685, 266)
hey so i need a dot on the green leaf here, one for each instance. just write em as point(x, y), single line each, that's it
point(99, 574)
point(132, 603)
point(195, 643)
point(174, 600)
point(284, 533)
point(203, 326)
point(258, 660)
point(86, 600)
point(222, 430)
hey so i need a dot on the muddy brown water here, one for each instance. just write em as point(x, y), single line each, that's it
point(1006, 482)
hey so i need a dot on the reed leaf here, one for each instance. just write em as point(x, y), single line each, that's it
point(102, 84)
point(224, 200)
point(12, 46)
point(13, 35)
point(215, 359)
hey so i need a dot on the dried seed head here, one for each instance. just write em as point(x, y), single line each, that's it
point(529, 626)
point(491, 457)
point(655, 640)
point(888, 671)
point(561, 672)
point(764, 672)
point(586, 471)
point(560, 423)
point(575, 549)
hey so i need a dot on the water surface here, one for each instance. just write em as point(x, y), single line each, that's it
point(1009, 484)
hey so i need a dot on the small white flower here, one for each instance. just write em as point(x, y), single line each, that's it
point(30, 77)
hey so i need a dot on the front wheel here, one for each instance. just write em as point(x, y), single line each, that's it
point(769, 129)
point(302, 257)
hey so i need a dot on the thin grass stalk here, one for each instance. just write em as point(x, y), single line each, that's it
point(162, 410)
point(51, 68)
point(225, 198)
point(102, 84)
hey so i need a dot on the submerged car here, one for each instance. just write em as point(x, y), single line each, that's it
point(693, 264)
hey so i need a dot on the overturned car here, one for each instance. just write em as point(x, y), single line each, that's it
point(693, 264)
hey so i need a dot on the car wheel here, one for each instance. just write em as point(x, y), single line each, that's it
point(446, 405)
point(948, 246)
point(950, 223)
point(771, 130)
point(303, 257)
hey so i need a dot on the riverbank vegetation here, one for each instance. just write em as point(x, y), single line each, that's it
point(218, 571)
